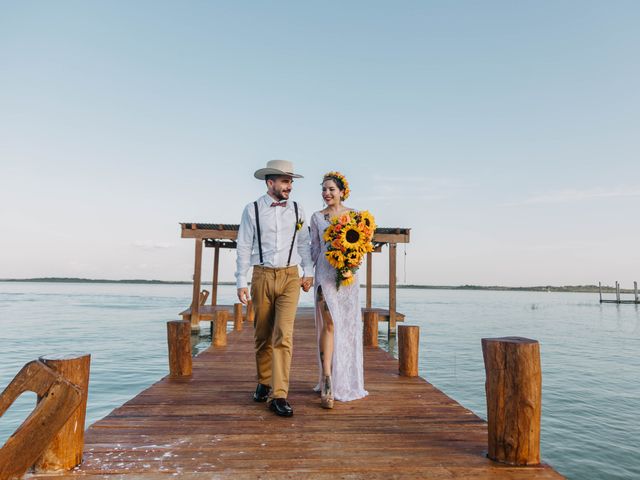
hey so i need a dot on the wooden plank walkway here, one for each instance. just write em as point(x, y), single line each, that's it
point(208, 425)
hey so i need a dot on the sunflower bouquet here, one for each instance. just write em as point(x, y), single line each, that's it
point(348, 238)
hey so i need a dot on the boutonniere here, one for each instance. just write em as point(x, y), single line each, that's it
point(299, 224)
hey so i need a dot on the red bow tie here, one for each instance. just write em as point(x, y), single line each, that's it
point(279, 204)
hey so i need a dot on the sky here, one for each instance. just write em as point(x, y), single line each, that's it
point(504, 134)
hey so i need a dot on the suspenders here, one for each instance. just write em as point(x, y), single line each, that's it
point(295, 230)
point(255, 204)
point(293, 240)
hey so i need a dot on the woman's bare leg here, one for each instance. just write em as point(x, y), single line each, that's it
point(326, 335)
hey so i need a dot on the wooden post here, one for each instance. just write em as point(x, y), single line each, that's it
point(369, 278)
point(514, 391)
point(64, 452)
point(617, 292)
point(58, 400)
point(600, 290)
point(635, 291)
point(214, 285)
point(370, 329)
point(179, 343)
point(408, 347)
point(220, 335)
point(392, 289)
point(237, 316)
point(250, 312)
point(195, 302)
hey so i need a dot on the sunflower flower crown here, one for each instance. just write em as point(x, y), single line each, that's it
point(341, 180)
point(349, 238)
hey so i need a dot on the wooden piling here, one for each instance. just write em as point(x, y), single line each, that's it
point(617, 292)
point(392, 289)
point(370, 329)
point(514, 391)
point(408, 347)
point(220, 335)
point(214, 284)
point(179, 342)
point(197, 277)
point(64, 452)
point(369, 278)
point(600, 290)
point(635, 291)
point(237, 316)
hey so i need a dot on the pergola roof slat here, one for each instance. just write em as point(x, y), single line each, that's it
point(221, 231)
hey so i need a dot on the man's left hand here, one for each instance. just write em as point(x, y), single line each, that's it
point(306, 283)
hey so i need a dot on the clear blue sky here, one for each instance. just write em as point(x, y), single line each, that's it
point(505, 134)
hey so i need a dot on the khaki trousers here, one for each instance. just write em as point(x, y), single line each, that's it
point(275, 293)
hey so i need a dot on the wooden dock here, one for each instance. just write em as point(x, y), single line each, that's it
point(208, 424)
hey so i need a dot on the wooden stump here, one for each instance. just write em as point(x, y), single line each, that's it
point(514, 390)
point(250, 312)
point(237, 316)
point(408, 346)
point(58, 400)
point(220, 335)
point(179, 342)
point(64, 452)
point(370, 329)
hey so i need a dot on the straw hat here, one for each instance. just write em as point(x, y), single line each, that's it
point(276, 167)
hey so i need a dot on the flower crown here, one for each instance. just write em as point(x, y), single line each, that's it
point(342, 179)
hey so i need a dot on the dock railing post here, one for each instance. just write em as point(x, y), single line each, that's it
point(514, 390)
point(408, 346)
point(179, 343)
point(65, 450)
point(237, 316)
point(600, 290)
point(370, 329)
point(220, 336)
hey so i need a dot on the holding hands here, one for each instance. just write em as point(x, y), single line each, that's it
point(306, 283)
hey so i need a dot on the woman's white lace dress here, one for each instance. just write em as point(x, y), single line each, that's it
point(347, 370)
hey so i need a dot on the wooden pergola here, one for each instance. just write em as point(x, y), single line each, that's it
point(217, 236)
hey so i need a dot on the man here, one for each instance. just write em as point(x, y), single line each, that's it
point(274, 239)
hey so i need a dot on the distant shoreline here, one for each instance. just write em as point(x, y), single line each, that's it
point(545, 288)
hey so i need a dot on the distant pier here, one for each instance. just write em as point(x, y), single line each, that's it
point(618, 298)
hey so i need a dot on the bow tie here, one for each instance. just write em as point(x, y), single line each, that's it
point(279, 204)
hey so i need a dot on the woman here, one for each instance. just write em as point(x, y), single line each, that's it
point(338, 314)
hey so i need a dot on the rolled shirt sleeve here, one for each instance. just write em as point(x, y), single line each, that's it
point(244, 247)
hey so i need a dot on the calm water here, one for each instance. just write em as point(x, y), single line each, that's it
point(590, 355)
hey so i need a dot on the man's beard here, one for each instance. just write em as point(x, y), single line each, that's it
point(279, 195)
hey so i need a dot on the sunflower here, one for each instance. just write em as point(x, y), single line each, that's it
point(367, 220)
point(348, 281)
point(352, 237)
point(335, 259)
point(354, 258)
point(328, 233)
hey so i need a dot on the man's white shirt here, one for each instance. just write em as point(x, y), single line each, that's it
point(277, 226)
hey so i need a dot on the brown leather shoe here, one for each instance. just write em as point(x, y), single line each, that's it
point(281, 407)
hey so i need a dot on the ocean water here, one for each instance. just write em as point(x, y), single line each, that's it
point(590, 355)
